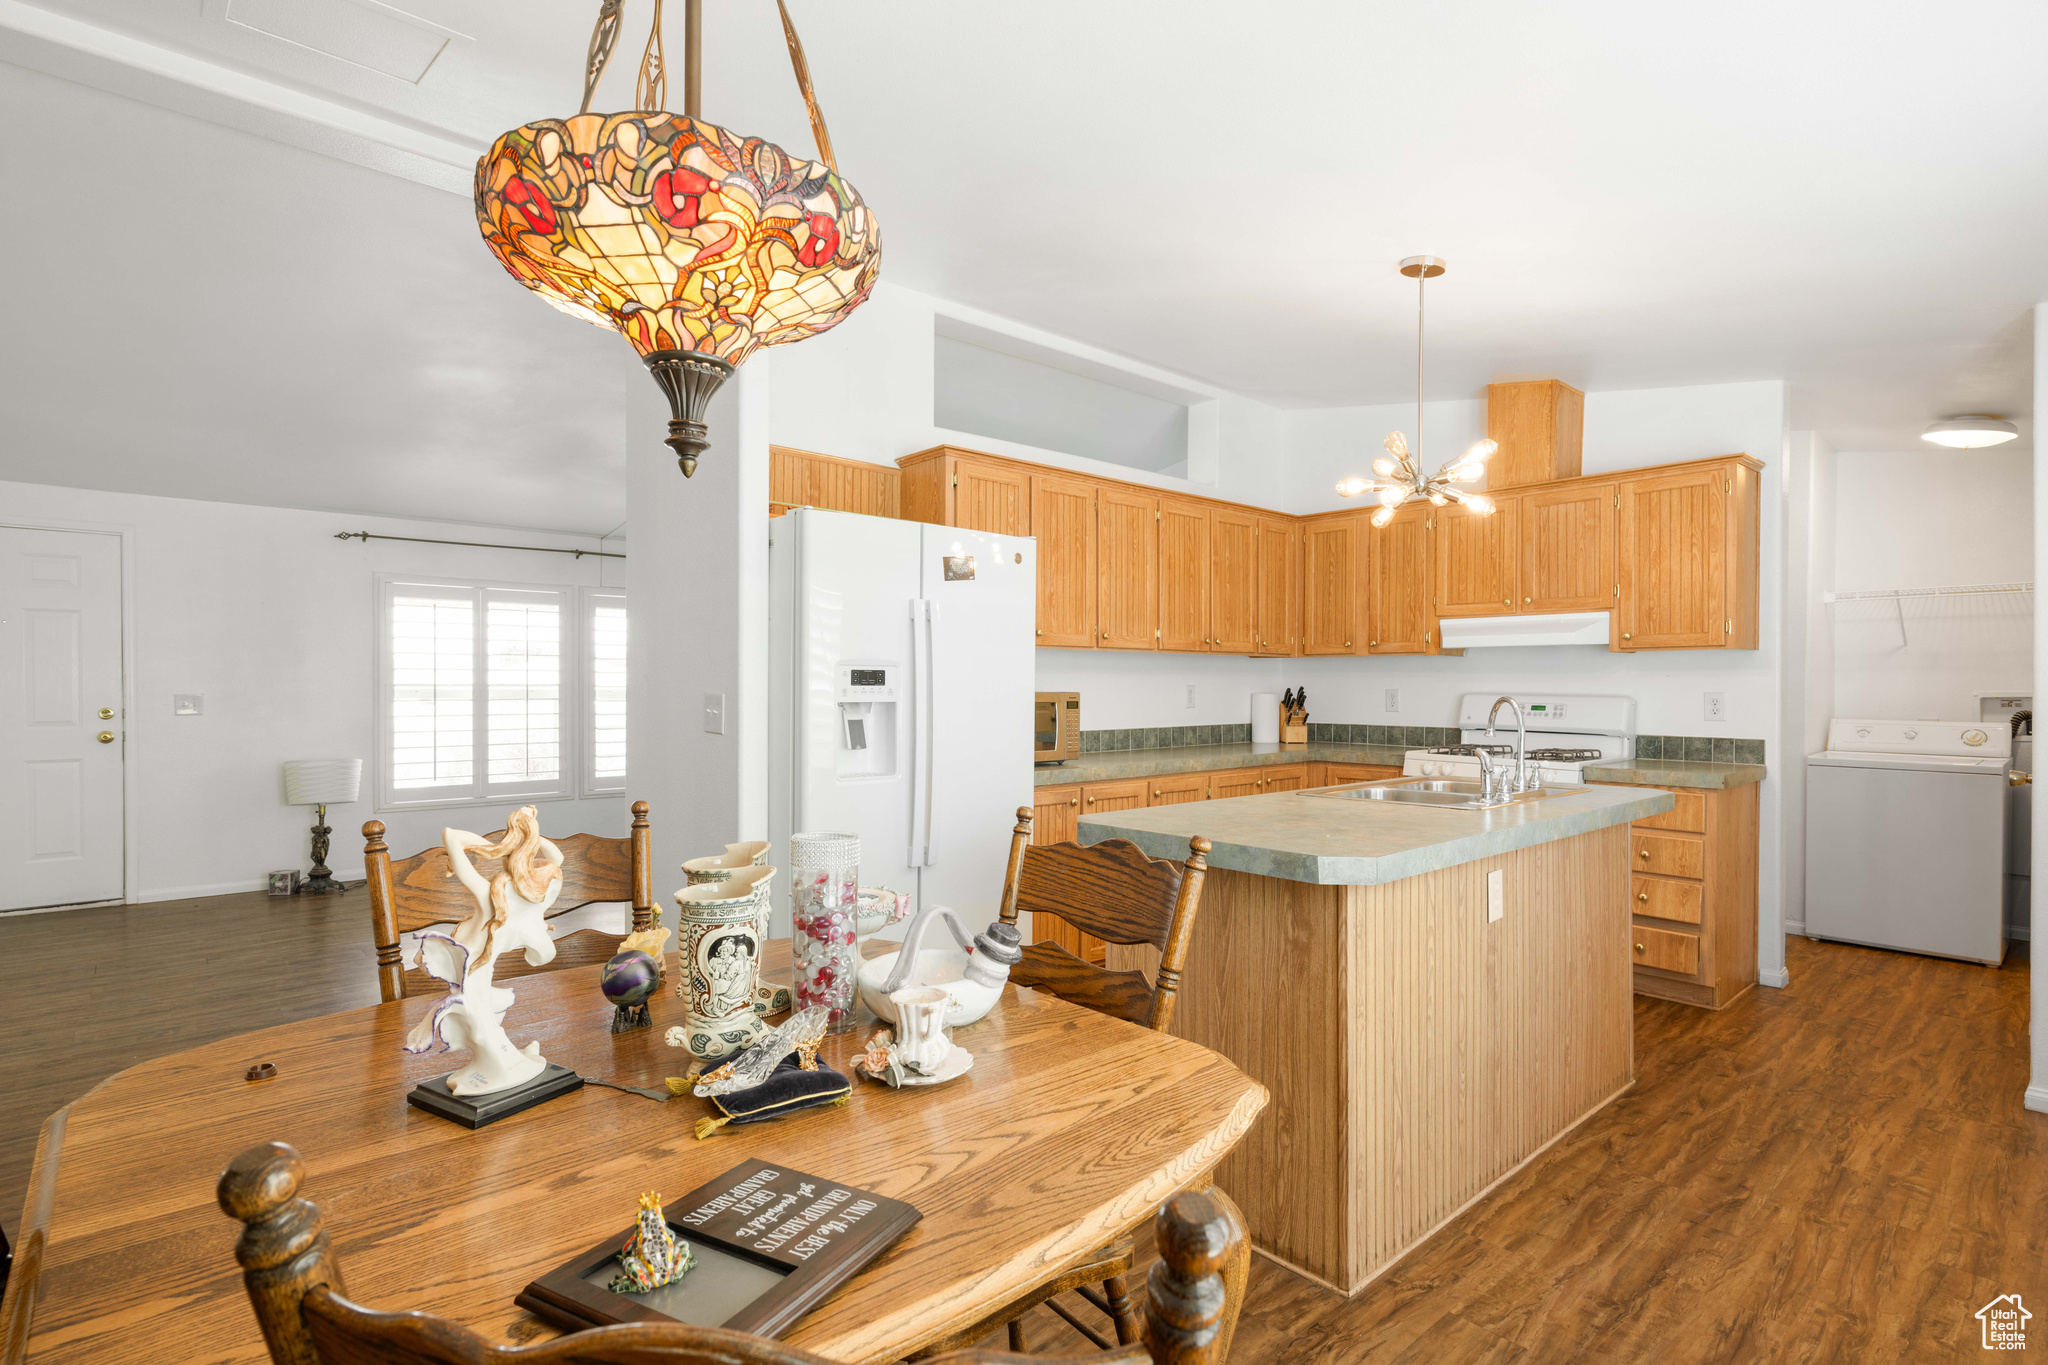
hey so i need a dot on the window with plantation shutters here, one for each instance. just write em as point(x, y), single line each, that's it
point(491, 692)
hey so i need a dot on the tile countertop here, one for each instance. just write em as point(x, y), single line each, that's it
point(1658, 772)
point(1332, 841)
point(1112, 764)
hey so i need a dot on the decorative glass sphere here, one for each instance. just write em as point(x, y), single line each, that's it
point(630, 978)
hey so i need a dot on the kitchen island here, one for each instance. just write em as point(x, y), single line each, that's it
point(1431, 996)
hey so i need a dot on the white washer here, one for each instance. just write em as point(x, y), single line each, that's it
point(1905, 837)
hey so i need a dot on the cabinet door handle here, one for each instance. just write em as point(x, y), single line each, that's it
point(1091, 800)
point(1645, 852)
point(1527, 600)
point(1105, 635)
point(1157, 794)
point(1639, 948)
point(1347, 644)
point(1642, 895)
point(1073, 800)
point(1626, 636)
point(1506, 602)
point(1370, 643)
point(1041, 632)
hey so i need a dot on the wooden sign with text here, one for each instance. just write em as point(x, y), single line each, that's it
point(769, 1243)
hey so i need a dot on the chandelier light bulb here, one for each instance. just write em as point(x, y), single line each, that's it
point(1353, 486)
point(1436, 496)
point(1481, 507)
point(1481, 452)
point(1393, 496)
point(1384, 467)
point(1467, 473)
point(1382, 517)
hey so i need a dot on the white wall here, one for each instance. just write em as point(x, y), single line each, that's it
point(268, 617)
point(1807, 644)
point(1123, 689)
point(994, 394)
point(699, 614)
point(1911, 519)
point(2037, 1088)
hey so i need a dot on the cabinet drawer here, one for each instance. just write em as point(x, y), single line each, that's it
point(1667, 855)
point(1133, 794)
point(1661, 899)
point(1667, 950)
point(1689, 814)
point(1178, 789)
point(1358, 772)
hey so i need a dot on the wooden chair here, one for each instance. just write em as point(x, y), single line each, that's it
point(1114, 892)
point(295, 1286)
point(408, 895)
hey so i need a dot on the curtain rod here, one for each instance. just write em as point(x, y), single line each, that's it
point(477, 544)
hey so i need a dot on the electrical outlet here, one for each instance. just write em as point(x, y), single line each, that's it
point(187, 704)
point(714, 713)
point(1717, 705)
point(1496, 895)
point(1191, 696)
point(1393, 699)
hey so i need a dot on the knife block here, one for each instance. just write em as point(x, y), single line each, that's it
point(1293, 733)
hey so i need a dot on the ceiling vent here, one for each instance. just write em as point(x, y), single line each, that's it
point(359, 32)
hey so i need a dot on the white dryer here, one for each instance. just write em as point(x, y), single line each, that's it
point(1906, 835)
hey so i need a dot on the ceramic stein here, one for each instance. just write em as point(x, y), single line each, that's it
point(724, 926)
point(719, 866)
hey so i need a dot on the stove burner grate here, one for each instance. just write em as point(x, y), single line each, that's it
point(1563, 755)
point(1472, 750)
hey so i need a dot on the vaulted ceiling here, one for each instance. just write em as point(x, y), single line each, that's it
point(238, 258)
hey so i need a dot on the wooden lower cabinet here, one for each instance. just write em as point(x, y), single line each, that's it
point(1288, 777)
point(1179, 789)
point(1335, 774)
point(1692, 888)
point(1056, 818)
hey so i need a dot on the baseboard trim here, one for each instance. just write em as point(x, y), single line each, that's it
point(186, 893)
point(1777, 980)
point(2037, 1098)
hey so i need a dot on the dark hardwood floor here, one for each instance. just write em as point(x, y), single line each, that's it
point(1838, 1171)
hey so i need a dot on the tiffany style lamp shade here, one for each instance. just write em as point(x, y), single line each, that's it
point(696, 243)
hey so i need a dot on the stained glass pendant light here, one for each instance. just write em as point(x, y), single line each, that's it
point(698, 244)
point(1400, 470)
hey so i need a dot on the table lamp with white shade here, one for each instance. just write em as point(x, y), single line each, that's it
point(320, 783)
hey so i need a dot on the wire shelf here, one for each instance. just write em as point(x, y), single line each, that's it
point(1894, 594)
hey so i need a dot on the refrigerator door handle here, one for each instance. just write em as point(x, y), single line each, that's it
point(920, 738)
point(931, 731)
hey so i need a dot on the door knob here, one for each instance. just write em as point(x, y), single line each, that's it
point(1642, 895)
point(106, 736)
point(106, 713)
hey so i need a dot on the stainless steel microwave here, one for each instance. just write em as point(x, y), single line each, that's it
point(1055, 727)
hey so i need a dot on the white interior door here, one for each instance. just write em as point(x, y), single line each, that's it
point(61, 730)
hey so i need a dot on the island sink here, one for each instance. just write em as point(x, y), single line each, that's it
point(1442, 793)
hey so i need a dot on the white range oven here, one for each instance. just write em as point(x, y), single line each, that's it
point(1565, 733)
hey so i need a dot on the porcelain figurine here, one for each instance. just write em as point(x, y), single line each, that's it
point(653, 1255)
point(724, 927)
point(719, 866)
point(972, 974)
point(510, 916)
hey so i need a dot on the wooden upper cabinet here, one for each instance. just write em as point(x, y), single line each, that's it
point(1398, 615)
point(1063, 511)
point(1329, 613)
point(1233, 581)
point(804, 478)
point(1475, 561)
point(1183, 576)
point(1127, 559)
point(990, 497)
point(1568, 548)
point(1686, 551)
point(1277, 625)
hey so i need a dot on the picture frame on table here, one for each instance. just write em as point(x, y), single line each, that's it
point(769, 1244)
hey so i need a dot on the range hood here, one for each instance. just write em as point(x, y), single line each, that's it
point(1563, 628)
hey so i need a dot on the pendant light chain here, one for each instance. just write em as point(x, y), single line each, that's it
point(1421, 283)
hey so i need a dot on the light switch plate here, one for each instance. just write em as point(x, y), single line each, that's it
point(1191, 696)
point(714, 713)
point(187, 704)
point(1496, 895)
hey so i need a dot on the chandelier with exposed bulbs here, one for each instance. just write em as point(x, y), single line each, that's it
point(1400, 478)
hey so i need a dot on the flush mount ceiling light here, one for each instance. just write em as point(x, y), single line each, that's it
point(1970, 432)
point(1400, 472)
point(696, 243)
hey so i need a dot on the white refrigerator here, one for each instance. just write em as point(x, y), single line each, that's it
point(900, 690)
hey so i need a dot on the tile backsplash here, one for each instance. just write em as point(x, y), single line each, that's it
point(1681, 748)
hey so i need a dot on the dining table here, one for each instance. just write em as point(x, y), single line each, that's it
point(1067, 1132)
